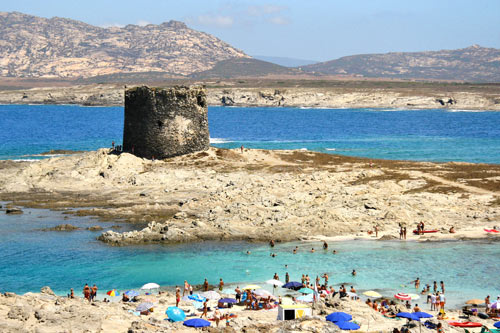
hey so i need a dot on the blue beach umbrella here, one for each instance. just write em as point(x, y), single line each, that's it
point(227, 300)
point(338, 316)
point(175, 314)
point(197, 298)
point(293, 285)
point(422, 315)
point(305, 298)
point(305, 291)
point(196, 322)
point(347, 325)
point(408, 315)
point(131, 293)
point(497, 325)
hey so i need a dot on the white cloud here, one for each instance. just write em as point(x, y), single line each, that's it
point(279, 20)
point(264, 10)
point(142, 23)
point(219, 21)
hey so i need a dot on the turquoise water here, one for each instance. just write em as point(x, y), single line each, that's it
point(31, 259)
point(422, 135)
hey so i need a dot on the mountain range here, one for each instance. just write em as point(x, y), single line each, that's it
point(60, 48)
point(474, 63)
point(32, 46)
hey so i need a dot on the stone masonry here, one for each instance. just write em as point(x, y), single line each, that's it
point(161, 123)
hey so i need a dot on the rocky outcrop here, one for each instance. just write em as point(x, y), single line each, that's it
point(161, 123)
point(13, 211)
point(478, 97)
point(62, 227)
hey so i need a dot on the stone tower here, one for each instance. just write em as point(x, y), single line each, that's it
point(162, 123)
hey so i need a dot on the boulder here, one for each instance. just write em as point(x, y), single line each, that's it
point(95, 228)
point(13, 211)
point(20, 312)
point(62, 227)
point(46, 290)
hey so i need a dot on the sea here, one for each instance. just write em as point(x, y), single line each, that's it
point(31, 258)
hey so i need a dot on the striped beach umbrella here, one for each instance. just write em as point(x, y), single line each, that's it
point(113, 292)
point(403, 296)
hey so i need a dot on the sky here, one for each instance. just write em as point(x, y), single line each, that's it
point(306, 29)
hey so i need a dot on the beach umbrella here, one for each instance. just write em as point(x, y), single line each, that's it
point(113, 293)
point(150, 285)
point(197, 322)
point(293, 285)
point(338, 316)
point(211, 295)
point(262, 292)
point(306, 298)
point(197, 298)
point(347, 325)
point(403, 296)
point(227, 300)
point(422, 315)
point(475, 301)
point(497, 325)
point(175, 314)
point(408, 315)
point(198, 305)
point(131, 293)
point(251, 287)
point(274, 282)
point(495, 305)
point(372, 293)
point(144, 306)
point(414, 296)
point(305, 291)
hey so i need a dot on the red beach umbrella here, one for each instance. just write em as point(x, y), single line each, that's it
point(403, 296)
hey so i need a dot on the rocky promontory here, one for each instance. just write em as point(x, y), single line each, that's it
point(258, 195)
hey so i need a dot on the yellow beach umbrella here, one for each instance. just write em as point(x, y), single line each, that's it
point(475, 301)
point(251, 287)
point(372, 293)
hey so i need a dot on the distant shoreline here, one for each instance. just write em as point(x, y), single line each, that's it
point(286, 94)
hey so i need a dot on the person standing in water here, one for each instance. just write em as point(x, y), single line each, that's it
point(325, 245)
point(287, 278)
point(442, 287)
point(205, 285)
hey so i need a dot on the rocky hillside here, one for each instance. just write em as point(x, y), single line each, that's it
point(32, 46)
point(473, 64)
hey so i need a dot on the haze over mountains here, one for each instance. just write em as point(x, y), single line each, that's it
point(37, 47)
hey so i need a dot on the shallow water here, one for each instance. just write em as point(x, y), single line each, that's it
point(421, 135)
point(31, 259)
